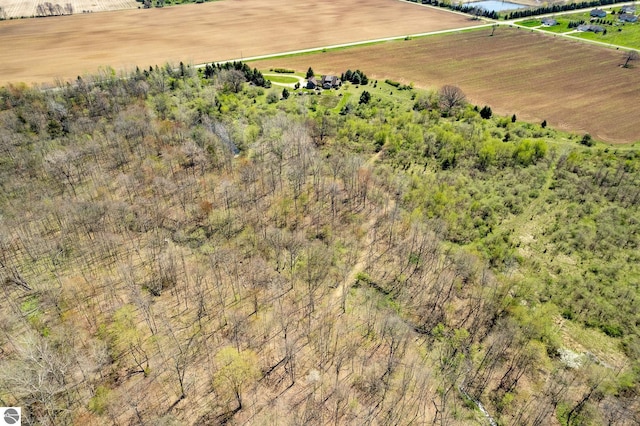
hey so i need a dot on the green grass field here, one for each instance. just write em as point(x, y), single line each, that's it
point(281, 79)
point(336, 99)
point(626, 35)
point(530, 23)
point(617, 33)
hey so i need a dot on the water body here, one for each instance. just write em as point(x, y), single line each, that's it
point(496, 6)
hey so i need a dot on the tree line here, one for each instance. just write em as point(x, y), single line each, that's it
point(523, 13)
point(520, 13)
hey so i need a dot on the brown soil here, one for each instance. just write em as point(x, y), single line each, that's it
point(42, 50)
point(573, 85)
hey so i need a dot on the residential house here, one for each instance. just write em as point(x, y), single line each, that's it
point(330, 82)
point(312, 83)
point(592, 28)
point(627, 17)
point(628, 9)
point(598, 13)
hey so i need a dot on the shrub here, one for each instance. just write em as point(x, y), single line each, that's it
point(486, 112)
point(392, 83)
point(365, 97)
point(272, 97)
point(587, 140)
point(99, 402)
point(611, 330)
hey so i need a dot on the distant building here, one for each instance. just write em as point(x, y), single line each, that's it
point(628, 9)
point(330, 82)
point(590, 28)
point(627, 17)
point(549, 22)
point(598, 13)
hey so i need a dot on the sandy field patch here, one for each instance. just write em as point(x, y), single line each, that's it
point(573, 85)
point(41, 50)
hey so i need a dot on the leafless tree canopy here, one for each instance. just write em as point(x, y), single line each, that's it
point(451, 97)
point(631, 55)
point(231, 80)
point(50, 9)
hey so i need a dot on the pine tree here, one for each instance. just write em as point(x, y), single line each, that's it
point(365, 97)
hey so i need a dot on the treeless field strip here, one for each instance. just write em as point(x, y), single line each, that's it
point(40, 50)
point(572, 85)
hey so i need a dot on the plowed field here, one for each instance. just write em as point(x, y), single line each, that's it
point(40, 50)
point(572, 85)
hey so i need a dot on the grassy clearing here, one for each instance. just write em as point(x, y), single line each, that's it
point(606, 349)
point(561, 28)
point(283, 79)
point(531, 23)
point(343, 101)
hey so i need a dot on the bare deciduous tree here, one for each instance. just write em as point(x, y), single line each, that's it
point(231, 80)
point(450, 98)
point(631, 55)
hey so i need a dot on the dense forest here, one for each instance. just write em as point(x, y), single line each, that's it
point(178, 248)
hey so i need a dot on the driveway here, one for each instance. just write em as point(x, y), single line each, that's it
point(290, 85)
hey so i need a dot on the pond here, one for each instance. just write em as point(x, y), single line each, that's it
point(496, 6)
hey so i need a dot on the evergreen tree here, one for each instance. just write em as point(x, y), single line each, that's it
point(365, 97)
point(348, 75)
